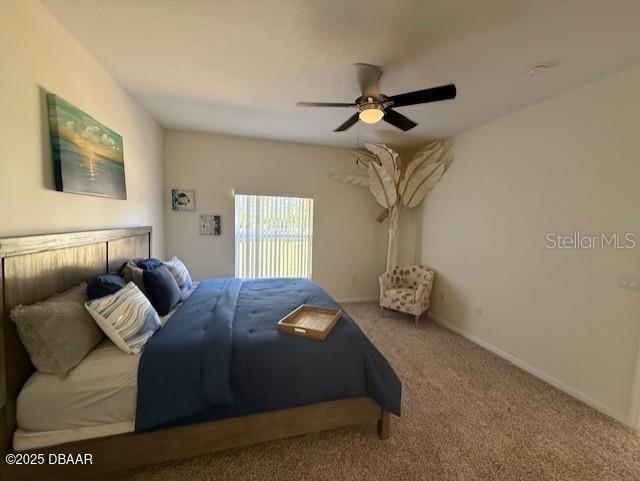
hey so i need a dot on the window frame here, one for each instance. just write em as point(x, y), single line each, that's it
point(262, 193)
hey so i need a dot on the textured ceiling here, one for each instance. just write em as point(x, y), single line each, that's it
point(238, 67)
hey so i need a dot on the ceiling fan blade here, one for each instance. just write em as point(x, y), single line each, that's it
point(398, 120)
point(325, 104)
point(352, 120)
point(369, 79)
point(435, 94)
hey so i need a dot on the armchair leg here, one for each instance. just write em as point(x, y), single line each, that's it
point(382, 311)
point(417, 318)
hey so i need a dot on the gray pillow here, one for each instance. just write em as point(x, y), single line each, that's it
point(132, 273)
point(57, 332)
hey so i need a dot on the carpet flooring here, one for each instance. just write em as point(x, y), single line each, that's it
point(467, 415)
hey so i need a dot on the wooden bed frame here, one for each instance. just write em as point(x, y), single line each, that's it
point(34, 268)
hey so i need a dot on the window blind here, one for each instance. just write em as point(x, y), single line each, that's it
point(273, 235)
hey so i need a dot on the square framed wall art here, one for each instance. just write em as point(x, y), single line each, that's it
point(210, 225)
point(182, 199)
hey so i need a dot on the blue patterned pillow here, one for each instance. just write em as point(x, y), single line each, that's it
point(126, 317)
point(179, 272)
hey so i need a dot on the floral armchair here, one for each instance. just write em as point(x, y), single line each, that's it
point(407, 289)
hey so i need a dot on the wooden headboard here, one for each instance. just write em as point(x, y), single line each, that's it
point(34, 268)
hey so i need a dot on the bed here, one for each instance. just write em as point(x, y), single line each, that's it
point(273, 386)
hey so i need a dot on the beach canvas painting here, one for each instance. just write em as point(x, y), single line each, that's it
point(87, 156)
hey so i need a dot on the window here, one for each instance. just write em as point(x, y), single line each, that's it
point(274, 235)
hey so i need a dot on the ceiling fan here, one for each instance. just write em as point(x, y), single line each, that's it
point(373, 106)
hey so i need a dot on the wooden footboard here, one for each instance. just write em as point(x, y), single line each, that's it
point(125, 451)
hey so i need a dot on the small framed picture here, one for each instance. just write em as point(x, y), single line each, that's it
point(183, 199)
point(210, 225)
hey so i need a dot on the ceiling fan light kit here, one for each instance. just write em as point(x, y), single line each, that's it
point(371, 112)
point(374, 106)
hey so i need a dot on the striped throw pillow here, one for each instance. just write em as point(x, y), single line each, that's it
point(179, 272)
point(126, 317)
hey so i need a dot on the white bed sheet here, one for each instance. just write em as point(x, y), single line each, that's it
point(97, 398)
point(102, 389)
point(23, 440)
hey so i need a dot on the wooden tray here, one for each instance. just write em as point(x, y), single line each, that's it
point(310, 321)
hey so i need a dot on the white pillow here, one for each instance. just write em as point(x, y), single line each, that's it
point(179, 272)
point(126, 317)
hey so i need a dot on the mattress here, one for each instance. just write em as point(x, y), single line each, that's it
point(101, 391)
point(23, 440)
point(97, 398)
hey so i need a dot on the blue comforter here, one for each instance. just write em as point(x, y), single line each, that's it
point(221, 355)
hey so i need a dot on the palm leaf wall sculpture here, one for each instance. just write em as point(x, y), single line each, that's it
point(382, 185)
point(396, 185)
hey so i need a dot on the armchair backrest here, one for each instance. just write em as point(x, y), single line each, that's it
point(410, 276)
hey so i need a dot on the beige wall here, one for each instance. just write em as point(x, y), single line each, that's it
point(348, 245)
point(568, 164)
point(38, 55)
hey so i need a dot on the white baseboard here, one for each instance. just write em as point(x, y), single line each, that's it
point(625, 418)
point(347, 300)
